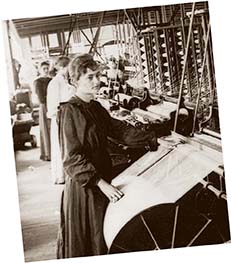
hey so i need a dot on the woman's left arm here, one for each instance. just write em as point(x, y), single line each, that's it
point(128, 135)
point(133, 137)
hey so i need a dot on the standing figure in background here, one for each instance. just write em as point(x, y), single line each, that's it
point(40, 85)
point(16, 70)
point(115, 73)
point(59, 91)
point(115, 77)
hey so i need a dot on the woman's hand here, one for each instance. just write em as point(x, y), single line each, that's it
point(112, 193)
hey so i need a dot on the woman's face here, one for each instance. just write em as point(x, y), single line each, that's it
point(44, 70)
point(89, 83)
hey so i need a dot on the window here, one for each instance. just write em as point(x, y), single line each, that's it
point(36, 42)
point(53, 40)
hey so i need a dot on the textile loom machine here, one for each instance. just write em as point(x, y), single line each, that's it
point(174, 197)
point(148, 113)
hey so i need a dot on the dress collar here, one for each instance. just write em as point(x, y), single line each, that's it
point(76, 100)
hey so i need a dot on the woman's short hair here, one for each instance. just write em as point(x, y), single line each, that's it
point(44, 63)
point(62, 61)
point(80, 64)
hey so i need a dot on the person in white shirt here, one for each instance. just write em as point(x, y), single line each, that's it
point(114, 73)
point(59, 91)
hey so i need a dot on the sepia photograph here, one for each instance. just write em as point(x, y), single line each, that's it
point(115, 130)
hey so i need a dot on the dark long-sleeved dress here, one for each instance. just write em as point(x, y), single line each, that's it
point(84, 128)
point(40, 85)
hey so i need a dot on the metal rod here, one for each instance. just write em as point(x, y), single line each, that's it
point(201, 80)
point(174, 228)
point(117, 34)
point(174, 52)
point(63, 39)
point(151, 37)
point(211, 88)
point(148, 56)
point(90, 43)
point(212, 133)
point(10, 51)
point(217, 192)
point(72, 24)
point(42, 39)
point(154, 56)
point(195, 59)
point(89, 23)
point(81, 30)
point(128, 38)
point(163, 12)
point(158, 58)
point(95, 41)
point(207, 54)
point(120, 38)
point(184, 67)
point(117, 41)
point(150, 233)
point(221, 183)
point(199, 233)
point(188, 84)
point(138, 17)
point(167, 49)
point(124, 33)
point(128, 17)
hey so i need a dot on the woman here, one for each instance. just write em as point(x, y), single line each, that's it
point(59, 90)
point(84, 128)
point(40, 85)
point(115, 73)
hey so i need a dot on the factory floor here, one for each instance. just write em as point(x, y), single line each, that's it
point(39, 203)
point(40, 200)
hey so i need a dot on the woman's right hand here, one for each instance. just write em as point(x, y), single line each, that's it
point(112, 193)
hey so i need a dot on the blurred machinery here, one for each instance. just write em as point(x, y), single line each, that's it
point(22, 118)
